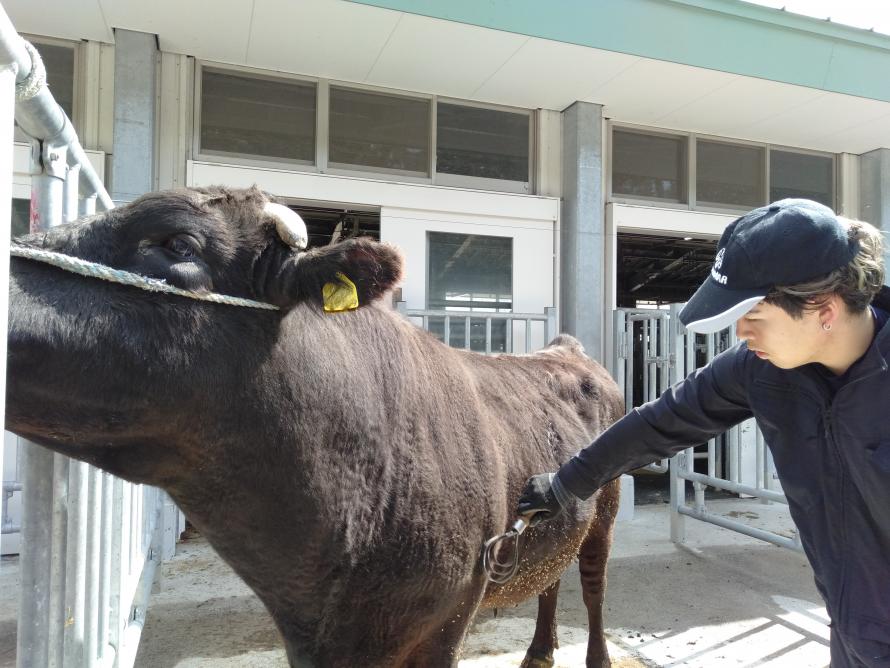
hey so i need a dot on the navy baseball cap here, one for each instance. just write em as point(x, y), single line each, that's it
point(785, 243)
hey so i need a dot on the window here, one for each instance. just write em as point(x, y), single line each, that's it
point(59, 63)
point(21, 216)
point(470, 273)
point(801, 175)
point(250, 115)
point(379, 131)
point(486, 143)
point(729, 174)
point(649, 166)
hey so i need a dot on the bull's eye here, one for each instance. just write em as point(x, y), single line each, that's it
point(182, 245)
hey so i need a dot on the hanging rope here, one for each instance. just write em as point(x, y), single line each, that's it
point(96, 270)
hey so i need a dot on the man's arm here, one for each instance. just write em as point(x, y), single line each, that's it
point(707, 403)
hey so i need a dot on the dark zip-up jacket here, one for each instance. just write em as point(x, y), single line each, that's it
point(832, 455)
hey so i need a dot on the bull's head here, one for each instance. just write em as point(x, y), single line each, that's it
point(93, 362)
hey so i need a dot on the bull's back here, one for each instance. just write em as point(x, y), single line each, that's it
point(555, 400)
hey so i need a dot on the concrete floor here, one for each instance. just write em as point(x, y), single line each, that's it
point(722, 599)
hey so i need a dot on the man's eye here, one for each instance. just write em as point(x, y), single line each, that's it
point(183, 246)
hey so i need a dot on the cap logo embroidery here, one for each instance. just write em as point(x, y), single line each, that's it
point(718, 263)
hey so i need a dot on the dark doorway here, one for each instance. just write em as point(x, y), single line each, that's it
point(656, 270)
point(323, 222)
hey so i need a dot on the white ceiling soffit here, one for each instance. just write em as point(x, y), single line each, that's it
point(358, 43)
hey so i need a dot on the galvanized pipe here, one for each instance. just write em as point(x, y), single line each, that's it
point(719, 520)
point(76, 564)
point(94, 613)
point(40, 116)
point(45, 485)
point(8, 74)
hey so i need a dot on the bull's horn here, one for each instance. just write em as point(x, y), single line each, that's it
point(290, 226)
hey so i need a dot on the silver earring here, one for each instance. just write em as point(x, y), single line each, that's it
point(826, 326)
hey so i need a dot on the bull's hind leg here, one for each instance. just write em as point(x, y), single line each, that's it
point(592, 558)
point(540, 652)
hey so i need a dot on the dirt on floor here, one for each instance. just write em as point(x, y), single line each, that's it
point(722, 599)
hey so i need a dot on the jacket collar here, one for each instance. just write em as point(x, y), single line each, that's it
point(875, 358)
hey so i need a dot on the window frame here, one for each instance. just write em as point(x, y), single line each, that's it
point(322, 163)
point(76, 79)
point(835, 177)
point(247, 159)
point(647, 201)
point(715, 207)
point(426, 278)
point(691, 164)
point(478, 182)
point(343, 169)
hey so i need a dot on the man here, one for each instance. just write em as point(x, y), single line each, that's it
point(805, 290)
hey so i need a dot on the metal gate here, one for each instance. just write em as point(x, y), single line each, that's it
point(89, 542)
point(653, 351)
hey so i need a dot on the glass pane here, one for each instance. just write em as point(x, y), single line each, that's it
point(380, 131)
point(255, 116)
point(729, 174)
point(20, 223)
point(648, 166)
point(481, 142)
point(470, 273)
point(801, 175)
point(59, 63)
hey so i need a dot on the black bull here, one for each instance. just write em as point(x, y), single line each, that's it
point(348, 466)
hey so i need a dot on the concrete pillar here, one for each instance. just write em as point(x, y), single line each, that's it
point(874, 193)
point(135, 76)
point(582, 228)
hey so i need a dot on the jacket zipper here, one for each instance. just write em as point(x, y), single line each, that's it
point(841, 612)
point(829, 436)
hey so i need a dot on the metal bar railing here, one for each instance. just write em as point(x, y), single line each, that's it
point(736, 439)
point(427, 317)
point(38, 114)
point(88, 553)
point(656, 359)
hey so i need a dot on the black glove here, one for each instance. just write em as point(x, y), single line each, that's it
point(539, 498)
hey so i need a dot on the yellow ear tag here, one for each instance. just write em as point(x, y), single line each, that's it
point(340, 296)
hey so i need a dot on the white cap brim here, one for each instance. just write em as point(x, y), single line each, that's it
point(724, 319)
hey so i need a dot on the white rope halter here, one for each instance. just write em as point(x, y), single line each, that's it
point(96, 270)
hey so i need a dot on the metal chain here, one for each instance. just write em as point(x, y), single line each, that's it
point(96, 270)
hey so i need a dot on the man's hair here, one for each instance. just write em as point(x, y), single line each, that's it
point(856, 282)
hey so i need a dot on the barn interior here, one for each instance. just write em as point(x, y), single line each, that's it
point(659, 270)
point(653, 272)
point(323, 222)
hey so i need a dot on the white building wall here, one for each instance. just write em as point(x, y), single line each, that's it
point(409, 211)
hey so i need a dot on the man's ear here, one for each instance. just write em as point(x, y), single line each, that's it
point(328, 276)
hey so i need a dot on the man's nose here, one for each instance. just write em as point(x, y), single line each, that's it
point(742, 329)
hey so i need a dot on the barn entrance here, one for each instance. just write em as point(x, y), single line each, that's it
point(651, 353)
point(652, 273)
point(335, 223)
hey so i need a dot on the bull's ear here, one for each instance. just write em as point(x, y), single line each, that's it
point(340, 277)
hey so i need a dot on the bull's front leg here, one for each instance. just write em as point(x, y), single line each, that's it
point(540, 652)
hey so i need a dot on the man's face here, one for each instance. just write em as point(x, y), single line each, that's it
point(775, 336)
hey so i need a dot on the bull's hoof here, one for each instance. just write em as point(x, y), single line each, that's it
point(536, 661)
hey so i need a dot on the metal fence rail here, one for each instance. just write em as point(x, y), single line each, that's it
point(466, 321)
point(731, 473)
point(652, 352)
point(89, 541)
